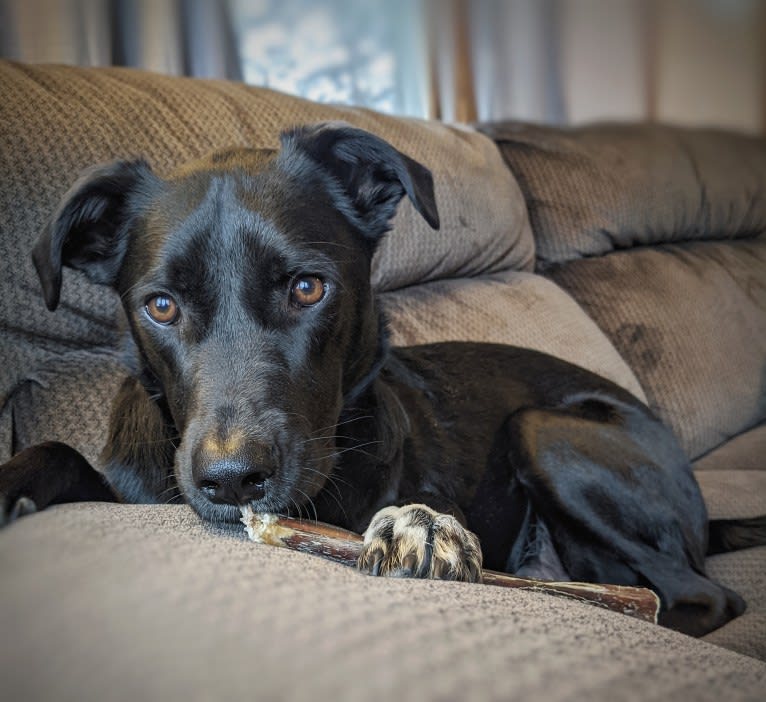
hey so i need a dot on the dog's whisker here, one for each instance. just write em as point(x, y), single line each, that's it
point(169, 489)
point(173, 493)
point(338, 495)
point(327, 439)
point(310, 501)
point(333, 479)
point(339, 503)
point(174, 499)
point(329, 436)
point(339, 424)
point(335, 455)
point(297, 507)
point(358, 449)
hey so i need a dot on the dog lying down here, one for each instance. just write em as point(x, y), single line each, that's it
point(262, 378)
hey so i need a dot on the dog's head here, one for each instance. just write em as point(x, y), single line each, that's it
point(245, 280)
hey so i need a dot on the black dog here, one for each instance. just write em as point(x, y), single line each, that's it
point(263, 378)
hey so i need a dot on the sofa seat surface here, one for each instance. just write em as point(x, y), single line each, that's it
point(115, 602)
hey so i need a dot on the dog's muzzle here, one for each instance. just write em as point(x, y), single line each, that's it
point(234, 472)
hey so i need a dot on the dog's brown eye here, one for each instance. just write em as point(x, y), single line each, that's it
point(162, 309)
point(307, 290)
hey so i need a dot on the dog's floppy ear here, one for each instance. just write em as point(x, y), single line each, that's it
point(88, 230)
point(373, 174)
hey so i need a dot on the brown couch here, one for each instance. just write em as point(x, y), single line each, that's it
point(634, 251)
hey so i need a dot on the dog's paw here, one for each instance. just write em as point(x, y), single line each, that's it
point(12, 509)
point(417, 542)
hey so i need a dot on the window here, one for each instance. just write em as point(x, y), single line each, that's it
point(359, 52)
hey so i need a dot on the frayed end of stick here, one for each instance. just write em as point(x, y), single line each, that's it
point(257, 524)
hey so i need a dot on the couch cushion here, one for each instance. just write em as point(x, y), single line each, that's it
point(602, 187)
point(733, 494)
point(522, 309)
point(690, 320)
point(747, 451)
point(67, 398)
point(108, 602)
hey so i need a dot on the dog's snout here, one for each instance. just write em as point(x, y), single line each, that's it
point(232, 482)
point(237, 477)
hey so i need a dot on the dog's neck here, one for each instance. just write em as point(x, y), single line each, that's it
point(369, 378)
point(379, 360)
point(374, 429)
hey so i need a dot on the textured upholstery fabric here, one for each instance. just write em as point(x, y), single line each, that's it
point(151, 604)
point(733, 494)
point(59, 120)
point(744, 452)
point(745, 572)
point(69, 399)
point(522, 309)
point(595, 189)
point(690, 319)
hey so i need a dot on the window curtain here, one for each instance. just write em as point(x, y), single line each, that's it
point(178, 37)
point(694, 62)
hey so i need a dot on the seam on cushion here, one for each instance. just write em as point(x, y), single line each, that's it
point(9, 406)
point(542, 264)
point(7, 451)
point(546, 266)
point(51, 364)
point(496, 276)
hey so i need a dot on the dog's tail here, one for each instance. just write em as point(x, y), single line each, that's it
point(733, 534)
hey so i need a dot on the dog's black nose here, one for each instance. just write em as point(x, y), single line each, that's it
point(232, 482)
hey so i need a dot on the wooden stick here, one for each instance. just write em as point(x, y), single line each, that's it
point(344, 547)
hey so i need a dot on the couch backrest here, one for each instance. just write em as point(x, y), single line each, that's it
point(60, 120)
point(658, 233)
point(609, 187)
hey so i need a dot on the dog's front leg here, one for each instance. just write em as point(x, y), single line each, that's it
point(47, 474)
point(416, 541)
